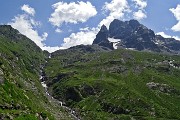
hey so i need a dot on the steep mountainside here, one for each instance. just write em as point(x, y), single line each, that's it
point(22, 96)
point(170, 44)
point(102, 38)
point(119, 84)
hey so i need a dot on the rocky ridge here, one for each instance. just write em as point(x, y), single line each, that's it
point(135, 36)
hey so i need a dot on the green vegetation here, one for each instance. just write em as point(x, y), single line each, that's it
point(22, 96)
point(119, 84)
point(96, 83)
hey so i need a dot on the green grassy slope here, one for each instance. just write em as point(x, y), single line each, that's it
point(21, 95)
point(119, 84)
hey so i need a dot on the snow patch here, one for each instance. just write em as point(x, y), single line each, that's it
point(158, 42)
point(130, 48)
point(114, 41)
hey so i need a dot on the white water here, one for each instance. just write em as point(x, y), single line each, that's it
point(44, 85)
point(130, 48)
point(50, 56)
point(72, 112)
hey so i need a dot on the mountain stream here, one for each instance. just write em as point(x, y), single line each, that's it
point(51, 98)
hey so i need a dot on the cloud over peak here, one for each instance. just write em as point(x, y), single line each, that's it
point(141, 13)
point(26, 25)
point(28, 9)
point(85, 36)
point(140, 4)
point(168, 36)
point(176, 12)
point(116, 9)
point(71, 12)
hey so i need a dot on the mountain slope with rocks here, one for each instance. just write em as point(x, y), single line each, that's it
point(103, 83)
point(140, 80)
point(115, 84)
point(22, 95)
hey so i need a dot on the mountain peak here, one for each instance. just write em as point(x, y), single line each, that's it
point(102, 38)
point(4, 29)
point(134, 23)
point(102, 35)
point(103, 28)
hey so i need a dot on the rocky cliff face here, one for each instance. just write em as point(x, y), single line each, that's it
point(120, 30)
point(102, 38)
point(171, 44)
point(22, 96)
point(133, 35)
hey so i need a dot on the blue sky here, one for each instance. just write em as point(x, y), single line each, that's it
point(55, 24)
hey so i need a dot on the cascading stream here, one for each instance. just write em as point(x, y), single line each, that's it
point(60, 103)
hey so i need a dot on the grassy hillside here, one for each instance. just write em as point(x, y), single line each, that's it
point(21, 95)
point(119, 84)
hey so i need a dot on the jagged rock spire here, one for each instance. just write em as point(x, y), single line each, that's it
point(102, 38)
point(102, 35)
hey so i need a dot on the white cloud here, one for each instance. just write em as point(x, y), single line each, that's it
point(176, 12)
point(35, 23)
point(85, 37)
point(168, 36)
point(176, 37)
point(45, 35)
point(51, 49)
point(58, 30)
point(28, 9)
point(140, 4)
point(26, 25)
point(84, 29)
point(117, 9)
point(71, 13)
point(163, 34)
point(176, 27)
point(139, 15)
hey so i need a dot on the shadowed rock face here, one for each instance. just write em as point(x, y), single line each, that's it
point(120, 30)
point(169, 43)
point(102, 38)
point(135, 36)
point(132, 33)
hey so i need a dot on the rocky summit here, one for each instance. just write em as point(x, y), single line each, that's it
point(133, 35)
point(102, 38)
